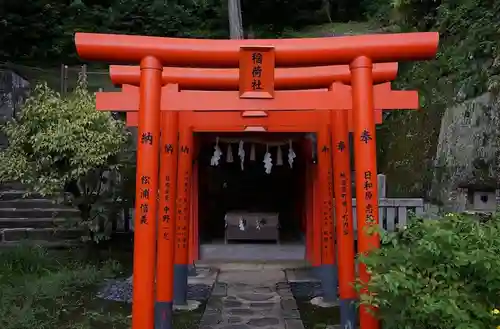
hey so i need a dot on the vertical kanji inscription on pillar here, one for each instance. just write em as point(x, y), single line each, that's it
point(325, 171)
point(184, 196)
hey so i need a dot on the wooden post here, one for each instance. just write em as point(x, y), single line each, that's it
point(64, 79)
point(343, 217)
point(166, 226)
point(83, 74)
point(61, 82)
point(181, 267)
point(365, 164)
point(327, 271)
point(146, 194)
point(382, 186)
point(65, 91)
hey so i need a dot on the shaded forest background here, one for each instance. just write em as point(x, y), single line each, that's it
point(42, 30)
point(40, 33)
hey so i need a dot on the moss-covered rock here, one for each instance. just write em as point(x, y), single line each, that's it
point(467, 149)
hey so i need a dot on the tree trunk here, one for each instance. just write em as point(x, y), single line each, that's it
point(327, 9)
point(235, 19)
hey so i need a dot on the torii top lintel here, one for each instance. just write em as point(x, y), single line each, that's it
point(225, 53)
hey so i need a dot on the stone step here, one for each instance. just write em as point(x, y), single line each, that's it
point(231, 265)
point(38, 212)
point(32, 222)
point(61, 244)
point(12, 186)
point(39, 234)
point(28, 203)
point(17, 194)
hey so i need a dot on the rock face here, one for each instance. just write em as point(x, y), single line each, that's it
point(13, 91)
point(467, 152)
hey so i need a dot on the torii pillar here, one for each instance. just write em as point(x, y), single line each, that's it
point(146, 198)
point(365, 164)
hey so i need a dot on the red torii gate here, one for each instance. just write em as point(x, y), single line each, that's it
point(254, 95)
point(287, 121)
point(283, 121)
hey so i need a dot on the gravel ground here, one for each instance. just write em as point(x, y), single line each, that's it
point(121, 291)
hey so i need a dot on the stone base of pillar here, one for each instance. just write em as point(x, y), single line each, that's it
point(163, 315)
point(180, 283)
point(327, 274)
point(348, 313)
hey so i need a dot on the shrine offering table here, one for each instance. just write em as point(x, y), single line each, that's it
point(241, 225)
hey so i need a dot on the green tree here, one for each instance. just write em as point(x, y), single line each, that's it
point(438, 274)
point(41, 31)
point(467, 65)
point(62, 144)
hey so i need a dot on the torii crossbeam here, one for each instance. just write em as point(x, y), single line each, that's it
point(228, 79)
point(128, 101)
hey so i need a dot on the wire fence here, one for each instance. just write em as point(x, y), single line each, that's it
point(63, 78)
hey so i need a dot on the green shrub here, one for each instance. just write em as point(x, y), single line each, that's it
point(62, 144)
point(438, 274)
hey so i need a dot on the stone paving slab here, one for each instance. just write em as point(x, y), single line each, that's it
point(300, 275)
point(252, 252)
point(225, 265)
point(204, 275)
point(251, 300)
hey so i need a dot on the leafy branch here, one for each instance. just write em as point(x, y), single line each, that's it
point(62, 147)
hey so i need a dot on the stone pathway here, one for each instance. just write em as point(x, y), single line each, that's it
point(251, 299)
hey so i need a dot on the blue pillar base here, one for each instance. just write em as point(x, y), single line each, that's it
point(180, 283)
point(316, 272)
point(348, 313)
point(329, 282)
point(163, 315)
